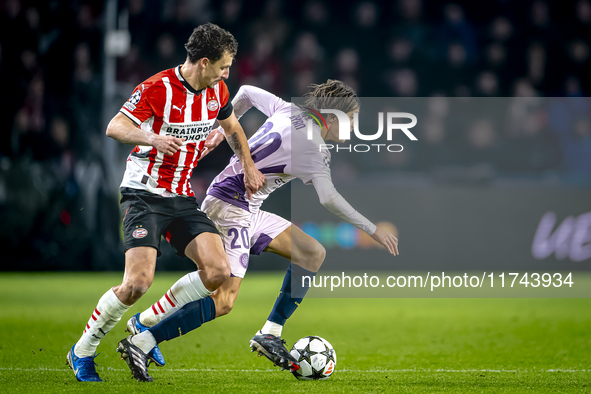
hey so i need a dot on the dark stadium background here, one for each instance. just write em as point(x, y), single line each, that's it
point(59, 173)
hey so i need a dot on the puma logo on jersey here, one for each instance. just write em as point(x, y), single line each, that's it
point(180, 109)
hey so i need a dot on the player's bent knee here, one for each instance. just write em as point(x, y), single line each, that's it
point(138, 291)
point(219, 278)
point(320, 253)
point(129, 293)
point(217, 274)
point(315, 256)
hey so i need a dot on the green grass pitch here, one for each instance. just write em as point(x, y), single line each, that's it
point(383, 345)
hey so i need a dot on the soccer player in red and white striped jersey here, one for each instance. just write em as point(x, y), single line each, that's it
point(167, 105)
point(167, 118)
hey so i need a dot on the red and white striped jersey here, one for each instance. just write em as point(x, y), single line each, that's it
point(166, 104)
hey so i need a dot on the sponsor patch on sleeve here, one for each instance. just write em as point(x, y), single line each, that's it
point(135, 97)
point(133, 100)
point(129, 106)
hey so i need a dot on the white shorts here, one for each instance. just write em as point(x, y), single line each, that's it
point(242, 232)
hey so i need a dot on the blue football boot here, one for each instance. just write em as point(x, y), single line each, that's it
point(83, 367)
point(134, 327)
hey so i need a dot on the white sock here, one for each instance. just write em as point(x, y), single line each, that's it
point(272, 328)
point(106, 314)
point(187, 289)
point(144, 341)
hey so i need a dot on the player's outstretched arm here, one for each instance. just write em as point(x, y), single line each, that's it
point(124, 130)
point(253, 179)
point(334, 202)
point(386, 239)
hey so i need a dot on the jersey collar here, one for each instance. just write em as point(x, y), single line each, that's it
point(177, 71)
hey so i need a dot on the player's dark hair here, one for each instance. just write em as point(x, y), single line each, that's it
point(210, 41)
point(333, 94)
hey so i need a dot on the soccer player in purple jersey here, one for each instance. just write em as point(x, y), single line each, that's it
point(282, 151)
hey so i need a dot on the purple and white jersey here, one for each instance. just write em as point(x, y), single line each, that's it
point(280, 150)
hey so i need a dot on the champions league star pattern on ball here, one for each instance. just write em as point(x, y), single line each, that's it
point(316, 358)
point(166, 104)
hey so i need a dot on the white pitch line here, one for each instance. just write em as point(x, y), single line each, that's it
point(461, 370)
point(341, 370)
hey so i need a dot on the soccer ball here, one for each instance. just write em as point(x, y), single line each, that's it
point(316, 357)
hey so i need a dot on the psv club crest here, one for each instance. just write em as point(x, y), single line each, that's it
point(212, 105)
point(140, 233)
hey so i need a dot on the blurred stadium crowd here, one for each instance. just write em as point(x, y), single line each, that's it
point(52, 158)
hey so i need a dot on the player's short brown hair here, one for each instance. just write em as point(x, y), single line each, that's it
point(210, 41)
point(333, 94)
